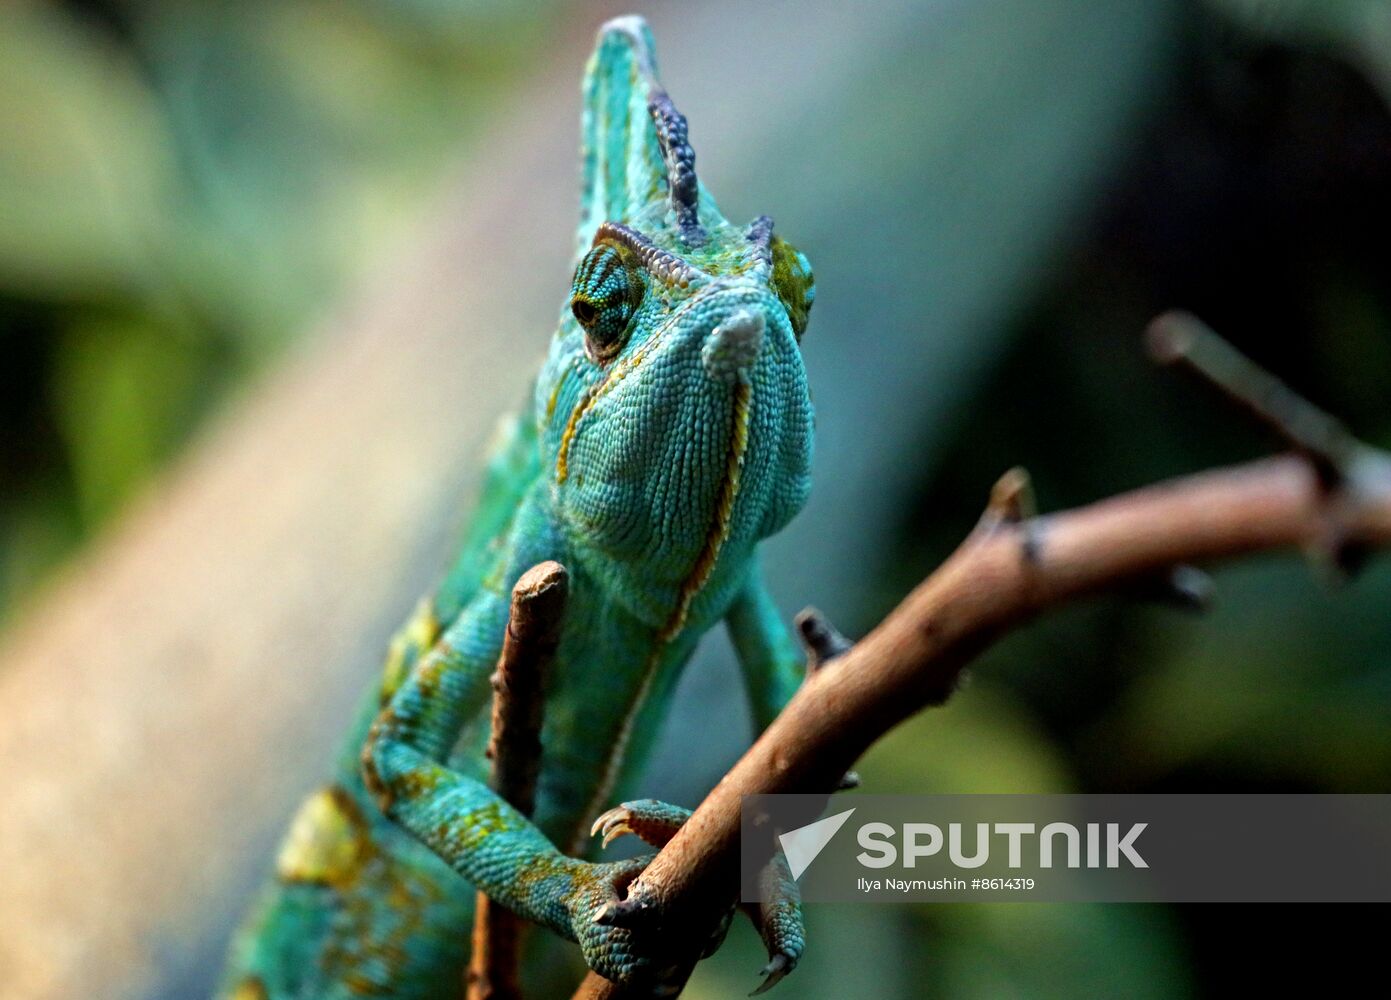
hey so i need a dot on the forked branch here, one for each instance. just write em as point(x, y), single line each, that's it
point(1332, 497)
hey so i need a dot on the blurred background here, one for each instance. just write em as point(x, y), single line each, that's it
point(270, 271)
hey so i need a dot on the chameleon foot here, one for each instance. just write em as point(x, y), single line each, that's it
point(778, 918)
point(779, 921)
point(636, 956)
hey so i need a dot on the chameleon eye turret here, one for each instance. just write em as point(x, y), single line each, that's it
point(607, 290)
point(787, 270)
point(793, 283)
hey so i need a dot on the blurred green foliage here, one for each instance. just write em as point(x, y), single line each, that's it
point(183, 184)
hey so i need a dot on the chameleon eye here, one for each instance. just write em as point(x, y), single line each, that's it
point(607, 291)
point(793, 283)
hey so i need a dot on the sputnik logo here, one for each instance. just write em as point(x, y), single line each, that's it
point(802, 845)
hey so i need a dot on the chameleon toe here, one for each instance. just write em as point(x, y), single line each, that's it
point(778, 967)
point(612, 824)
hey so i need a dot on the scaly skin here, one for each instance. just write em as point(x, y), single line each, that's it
point(669, 433)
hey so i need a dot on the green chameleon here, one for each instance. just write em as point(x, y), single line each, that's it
point(670, 432)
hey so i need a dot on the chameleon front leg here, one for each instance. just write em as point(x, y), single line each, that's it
point(474, 830)
point(774, 666)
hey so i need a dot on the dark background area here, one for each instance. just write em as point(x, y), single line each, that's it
point(1257, 197)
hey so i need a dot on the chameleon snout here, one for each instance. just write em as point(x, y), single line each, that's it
point(731, 351)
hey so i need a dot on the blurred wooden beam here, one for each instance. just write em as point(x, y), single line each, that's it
point(168, 699)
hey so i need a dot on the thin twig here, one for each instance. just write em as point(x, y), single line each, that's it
point(533, 627)
point(1180, 338)
point(822, 642)
point(1011, 568)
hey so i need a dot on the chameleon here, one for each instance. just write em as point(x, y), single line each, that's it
point(668, 432)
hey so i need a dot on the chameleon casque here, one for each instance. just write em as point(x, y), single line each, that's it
point(670, 431)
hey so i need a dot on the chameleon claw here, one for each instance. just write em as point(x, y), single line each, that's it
point(613, 824)
point(649, 820)
point(602, 819)
point(614, 832)
point(778, 967)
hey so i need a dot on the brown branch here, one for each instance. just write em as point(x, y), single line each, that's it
point(1008, 570)
point(533, 628)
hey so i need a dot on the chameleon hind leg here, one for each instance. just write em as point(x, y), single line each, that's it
point(778, 918)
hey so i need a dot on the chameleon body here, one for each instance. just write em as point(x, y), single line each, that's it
point(669, 432)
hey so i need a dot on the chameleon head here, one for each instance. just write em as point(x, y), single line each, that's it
point(674, 411)
point(678, 423)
